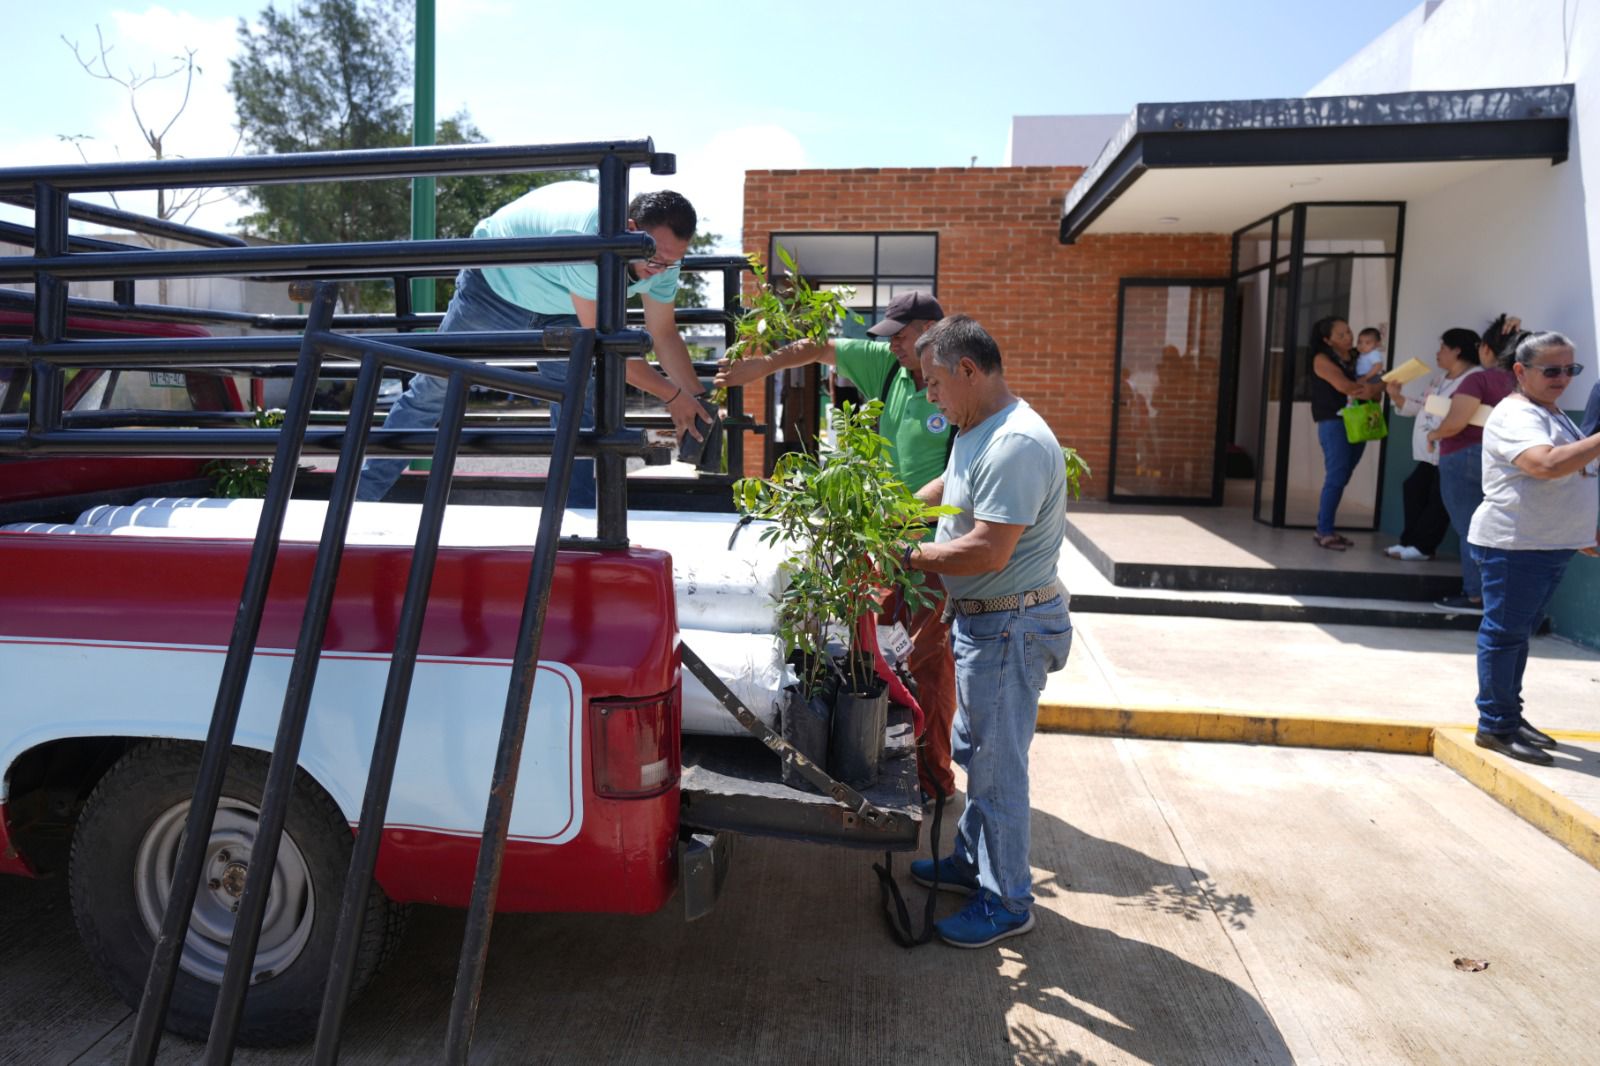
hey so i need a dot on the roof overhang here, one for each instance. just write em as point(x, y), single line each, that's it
point(1216, 166)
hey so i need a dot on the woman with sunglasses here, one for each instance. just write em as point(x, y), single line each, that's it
point(1541, 503)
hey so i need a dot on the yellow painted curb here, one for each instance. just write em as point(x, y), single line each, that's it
point(1576, 829)
point(1238, 727)
point(1573, 827)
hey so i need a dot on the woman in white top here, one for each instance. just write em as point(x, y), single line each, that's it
point(1427, 521)
point(1541, 503)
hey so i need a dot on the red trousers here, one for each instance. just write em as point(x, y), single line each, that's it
point(933, 667)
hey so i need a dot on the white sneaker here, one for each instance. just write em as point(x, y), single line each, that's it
point(1393, 551)
point(1412, 555)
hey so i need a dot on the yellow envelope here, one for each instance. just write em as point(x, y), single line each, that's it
point(1410, 370)
point(1439, 407)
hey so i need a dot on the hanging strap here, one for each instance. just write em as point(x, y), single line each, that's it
point(814, 775)
point(889, 889)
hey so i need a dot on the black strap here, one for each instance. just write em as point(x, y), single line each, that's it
point(888, 889)
point(813, 774)
point(894, 372)
point(738, 527)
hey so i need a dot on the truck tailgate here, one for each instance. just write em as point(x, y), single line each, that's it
point(733, 784)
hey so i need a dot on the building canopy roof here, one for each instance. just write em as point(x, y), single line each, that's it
point(1215, 166)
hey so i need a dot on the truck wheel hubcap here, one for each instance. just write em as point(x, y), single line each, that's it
point(291, 903)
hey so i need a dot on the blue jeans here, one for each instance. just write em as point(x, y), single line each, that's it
point(1517, 588)
point(476, 307)
point(1461, 485)
point(1001, 662)
point(1339, 459)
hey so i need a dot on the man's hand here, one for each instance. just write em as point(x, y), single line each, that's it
point(1393, 388)
point(685, 411)
point(733, 373)
point(1594, 549)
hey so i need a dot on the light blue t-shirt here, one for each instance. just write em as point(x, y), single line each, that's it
point(1008, 469)
point(561, 208)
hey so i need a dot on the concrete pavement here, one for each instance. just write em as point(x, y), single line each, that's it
point(1197, 904)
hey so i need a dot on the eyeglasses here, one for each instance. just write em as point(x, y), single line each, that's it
point(662, 264)
point(1572, 370)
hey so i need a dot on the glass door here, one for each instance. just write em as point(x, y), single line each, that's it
point(1171, 378)
point(1307, 263)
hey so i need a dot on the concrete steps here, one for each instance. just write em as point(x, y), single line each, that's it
point(1138, 564)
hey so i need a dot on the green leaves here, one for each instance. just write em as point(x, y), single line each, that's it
point(847, 520)
point(245, 478)
point(1077, 472)
point(787, 309)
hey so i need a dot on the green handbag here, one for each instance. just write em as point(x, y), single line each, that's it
point(1364, 422)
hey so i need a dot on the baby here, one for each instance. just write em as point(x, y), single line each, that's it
point(1369, 357)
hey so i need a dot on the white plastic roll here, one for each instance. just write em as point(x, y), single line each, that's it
point(751, 664)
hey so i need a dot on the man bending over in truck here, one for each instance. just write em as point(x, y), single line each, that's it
point(1009, 627)
point(919, 446)
point(536, 297)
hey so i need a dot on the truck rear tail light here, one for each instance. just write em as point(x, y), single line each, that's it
point(635, 747)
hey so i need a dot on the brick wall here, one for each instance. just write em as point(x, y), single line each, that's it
point(1051, 307)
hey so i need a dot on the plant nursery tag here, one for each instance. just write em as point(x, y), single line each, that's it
point(895, 641)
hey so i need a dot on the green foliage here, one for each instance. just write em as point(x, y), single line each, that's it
point(245, 478)
point(785, 310)
point(692, 287)
point(335, 75)
point(847, 520)
point(1077, 472)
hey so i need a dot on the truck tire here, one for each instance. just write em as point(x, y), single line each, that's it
point(123, 852)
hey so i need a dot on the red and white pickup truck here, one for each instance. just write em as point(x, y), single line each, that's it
point(113, 629)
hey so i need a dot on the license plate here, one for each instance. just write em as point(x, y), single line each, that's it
point(167, 379)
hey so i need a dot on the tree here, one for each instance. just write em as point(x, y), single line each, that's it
point(692, 287)
point(327, 76)
point(334, 75)
point(180, 204)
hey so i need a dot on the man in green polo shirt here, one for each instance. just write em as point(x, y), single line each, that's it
point(919, 438)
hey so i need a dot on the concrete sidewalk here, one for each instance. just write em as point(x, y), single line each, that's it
point(1336, 686)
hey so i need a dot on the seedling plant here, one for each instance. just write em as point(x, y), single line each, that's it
point(847, 520)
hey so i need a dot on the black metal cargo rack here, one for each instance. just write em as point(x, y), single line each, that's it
point(46, 429)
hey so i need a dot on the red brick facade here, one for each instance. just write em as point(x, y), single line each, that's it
point(1051, 307)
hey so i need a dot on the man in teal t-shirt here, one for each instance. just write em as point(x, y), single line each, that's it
point(919, 438)
point(543, 295)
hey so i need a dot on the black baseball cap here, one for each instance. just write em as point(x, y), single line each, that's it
point(917, 306)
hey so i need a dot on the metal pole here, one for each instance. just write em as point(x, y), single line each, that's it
point(168, 946)
point(386, 745)
point(611, 314)
point(423, 227)
point(514, 721)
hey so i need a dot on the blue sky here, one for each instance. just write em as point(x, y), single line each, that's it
point(726, 86)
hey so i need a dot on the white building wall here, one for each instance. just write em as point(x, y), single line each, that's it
point(1059, 140)
point(1517, 238)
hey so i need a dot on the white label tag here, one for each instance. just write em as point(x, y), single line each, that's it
point(894, 641)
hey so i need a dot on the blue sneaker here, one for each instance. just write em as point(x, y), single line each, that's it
point(982, 922)
point(951, 878)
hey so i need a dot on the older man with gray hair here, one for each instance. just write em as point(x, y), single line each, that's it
point(1010, 626)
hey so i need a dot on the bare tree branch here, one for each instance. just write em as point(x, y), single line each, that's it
point(97, 64)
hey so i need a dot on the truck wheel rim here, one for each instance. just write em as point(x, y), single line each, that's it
point(291, 904)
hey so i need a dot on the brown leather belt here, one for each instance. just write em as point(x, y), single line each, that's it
point(1042, 594)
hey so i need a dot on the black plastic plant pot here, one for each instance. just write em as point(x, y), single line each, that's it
point(855, 745)
point(706, 453)
point(806, 724)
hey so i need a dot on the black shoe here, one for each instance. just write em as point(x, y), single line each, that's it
point(1460, 605)
point(1513, 746)
point(1529, 735)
